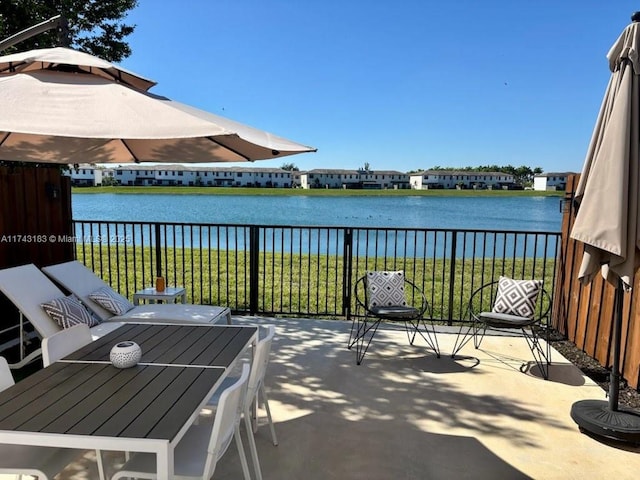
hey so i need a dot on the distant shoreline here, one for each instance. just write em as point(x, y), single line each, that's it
point(167, 190)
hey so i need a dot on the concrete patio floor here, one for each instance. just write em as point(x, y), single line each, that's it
point(404, 414)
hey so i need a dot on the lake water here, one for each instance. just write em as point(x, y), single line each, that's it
point(481, 213)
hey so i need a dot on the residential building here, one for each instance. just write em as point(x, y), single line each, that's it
point(354, 179)
point(87, 175)
point(450, 179)
point(551, 181)
point(181, 175)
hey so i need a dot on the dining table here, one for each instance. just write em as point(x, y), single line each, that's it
point(83, 401)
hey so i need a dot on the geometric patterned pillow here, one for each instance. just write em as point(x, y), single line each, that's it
point(68, 311)
point(517, 297)
point(385, 289)
point(111, 300)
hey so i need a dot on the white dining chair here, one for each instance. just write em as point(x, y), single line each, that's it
point(66, 341)
point(61, 344)
point(255, 392)
point(20, 460)
point(197, 453)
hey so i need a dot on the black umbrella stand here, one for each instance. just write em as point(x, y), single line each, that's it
point(605, 418)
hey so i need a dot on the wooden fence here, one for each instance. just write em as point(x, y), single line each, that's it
point(584, 313)
point(35, 224)
point(35, 216)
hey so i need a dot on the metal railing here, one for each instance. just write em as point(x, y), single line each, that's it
point(308, 270)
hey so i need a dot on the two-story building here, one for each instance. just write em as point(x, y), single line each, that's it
point(182, 175)
point(85, 176)
point(551, 181)
point(353, 179)
point(449, 179)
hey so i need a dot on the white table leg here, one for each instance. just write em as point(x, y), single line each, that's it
point(164, 463)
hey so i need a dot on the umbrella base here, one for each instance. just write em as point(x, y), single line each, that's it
point(595, 416)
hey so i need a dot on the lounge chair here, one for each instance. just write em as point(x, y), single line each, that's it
point(82, 282)
point(28, 288)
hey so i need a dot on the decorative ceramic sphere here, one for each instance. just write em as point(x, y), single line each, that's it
point(125, 354)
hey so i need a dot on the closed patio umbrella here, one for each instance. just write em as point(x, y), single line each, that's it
point(58, 105)
point(607, 220)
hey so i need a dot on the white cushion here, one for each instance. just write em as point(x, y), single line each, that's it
point(385, 289)
point(68, 311)
point(517, 297)
point(111, 300)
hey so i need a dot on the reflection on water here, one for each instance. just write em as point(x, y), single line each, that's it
point(383, 226)
point(481, 213)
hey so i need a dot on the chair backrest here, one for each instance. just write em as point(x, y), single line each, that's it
point(260, 363)
point(27, 288)
point(412, 294)
point(226, 421)
point(484, 298)
point(80, 281)
point(6, 378)
point(64, 342)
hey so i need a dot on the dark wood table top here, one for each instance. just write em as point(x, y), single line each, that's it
point(97, 399)
point(195, 345)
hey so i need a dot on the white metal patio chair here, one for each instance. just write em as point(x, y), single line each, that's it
point(64, 342)
point(197, 453)
point(42, 462)
point(61, 344)
point(255, 392)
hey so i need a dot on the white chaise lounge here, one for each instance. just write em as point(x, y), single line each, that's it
point(82, 282)
point(28, 288)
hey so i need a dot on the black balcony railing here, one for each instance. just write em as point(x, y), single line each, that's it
point(305, 270)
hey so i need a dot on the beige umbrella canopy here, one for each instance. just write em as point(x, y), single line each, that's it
point(62, 106)
point(607, 221)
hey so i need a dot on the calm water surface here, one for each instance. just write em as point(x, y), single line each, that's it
point(482, 213)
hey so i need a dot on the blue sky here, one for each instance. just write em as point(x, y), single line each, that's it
point(402, 86)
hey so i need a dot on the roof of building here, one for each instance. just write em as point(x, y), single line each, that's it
point(201, 168)
point(556, 174)
point(459, 172)
point(338, 171)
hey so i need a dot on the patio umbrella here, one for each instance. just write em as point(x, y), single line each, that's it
point(607, 221)
point(58, 105)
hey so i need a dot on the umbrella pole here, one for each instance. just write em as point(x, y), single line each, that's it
point(605, 418)
point(614, 377)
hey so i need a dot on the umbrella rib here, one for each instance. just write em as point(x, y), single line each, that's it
point(135, 159)
point(212, 139)
point(11, 67)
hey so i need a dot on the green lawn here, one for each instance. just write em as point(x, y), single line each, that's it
point(299, 284)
